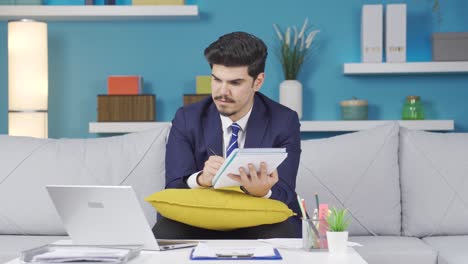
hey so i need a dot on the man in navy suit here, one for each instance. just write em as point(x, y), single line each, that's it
point(236, 115)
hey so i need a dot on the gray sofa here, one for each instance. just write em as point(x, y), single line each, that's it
point(407, 191)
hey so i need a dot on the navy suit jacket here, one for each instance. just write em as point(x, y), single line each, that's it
point(197, 128)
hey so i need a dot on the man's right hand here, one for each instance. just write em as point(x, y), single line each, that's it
point(212, 165)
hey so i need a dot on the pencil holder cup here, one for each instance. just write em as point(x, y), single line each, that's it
point(310, 234)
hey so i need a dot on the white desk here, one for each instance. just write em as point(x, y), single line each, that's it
point(290, 255)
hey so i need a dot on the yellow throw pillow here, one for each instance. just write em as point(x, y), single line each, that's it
point(218, 209)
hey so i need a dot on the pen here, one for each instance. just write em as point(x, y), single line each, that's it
point(212, 151)
point(240, 255)
point(317, 201)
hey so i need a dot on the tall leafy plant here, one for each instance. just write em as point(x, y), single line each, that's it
point(294, 48)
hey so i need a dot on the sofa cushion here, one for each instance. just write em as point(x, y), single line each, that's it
point(434, 183)
point(394, 249)
point(28, 164)
point(11, 246)
point(358, 171)
point(218, 209)
point(452, 249)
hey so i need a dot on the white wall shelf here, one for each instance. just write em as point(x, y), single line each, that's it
point(124, 127)
point(306, 126)
point(96, 13)
point(405, 68)
point(344, 126)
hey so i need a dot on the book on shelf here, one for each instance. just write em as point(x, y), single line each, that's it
point(203, 84)
point(124, 84)
point(395, 33)
point(372, 33)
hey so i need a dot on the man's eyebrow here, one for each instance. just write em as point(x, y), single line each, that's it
point(234, 80)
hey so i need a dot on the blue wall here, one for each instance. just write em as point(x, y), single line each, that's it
point(169, 54)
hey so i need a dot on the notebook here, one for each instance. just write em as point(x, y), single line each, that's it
point(106, 215)
point(273, 157)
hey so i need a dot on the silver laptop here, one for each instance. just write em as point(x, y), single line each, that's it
point(106, 215)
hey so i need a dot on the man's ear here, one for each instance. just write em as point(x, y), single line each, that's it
point(258, 82)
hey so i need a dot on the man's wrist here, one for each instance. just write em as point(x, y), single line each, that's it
point(192, 181)
point(267, 195)
point(197, 178)
point(199, 183)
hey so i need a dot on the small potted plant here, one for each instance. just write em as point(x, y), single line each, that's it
point(337, 236)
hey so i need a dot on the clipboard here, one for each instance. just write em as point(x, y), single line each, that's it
point(276, 256)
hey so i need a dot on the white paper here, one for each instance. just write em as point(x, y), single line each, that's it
point(395, 33)
point(81, 254)
point(242, 157)
point(372, 33)
point(204, 250)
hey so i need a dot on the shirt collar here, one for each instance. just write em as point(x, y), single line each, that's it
point(227, 122)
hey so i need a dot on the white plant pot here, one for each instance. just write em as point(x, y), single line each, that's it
point(290, 95)
point(337, 242)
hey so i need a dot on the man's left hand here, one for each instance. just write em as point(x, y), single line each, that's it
point(256, 183)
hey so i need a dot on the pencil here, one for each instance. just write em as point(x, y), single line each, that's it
point(301, 207)
point(317, 201)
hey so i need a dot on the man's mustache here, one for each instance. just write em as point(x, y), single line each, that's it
point(224, 98)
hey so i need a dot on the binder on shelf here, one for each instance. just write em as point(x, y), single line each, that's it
point(395, 33)
point(372, 33)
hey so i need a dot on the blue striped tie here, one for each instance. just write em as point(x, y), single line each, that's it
point(233, 142)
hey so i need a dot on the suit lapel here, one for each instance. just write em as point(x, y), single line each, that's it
point(212, 131)
point(257, 124)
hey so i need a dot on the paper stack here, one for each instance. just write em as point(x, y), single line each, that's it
point(72, 253)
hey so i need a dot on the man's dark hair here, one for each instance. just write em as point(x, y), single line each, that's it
point(238, 49)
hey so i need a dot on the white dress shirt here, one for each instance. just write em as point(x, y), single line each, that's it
point(226, 123)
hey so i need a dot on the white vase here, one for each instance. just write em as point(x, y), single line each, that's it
point(290, 95)
point(337, 242)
